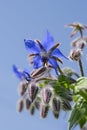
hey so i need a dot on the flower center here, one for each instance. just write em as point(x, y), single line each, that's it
point(44, 57)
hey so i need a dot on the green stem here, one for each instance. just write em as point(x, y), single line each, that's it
point(81, 68)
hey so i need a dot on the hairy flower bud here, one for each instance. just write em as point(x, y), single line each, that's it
point(32, 109)
point(75, 54)
point(33, 89)
point(37, 104)
point(56, 104)
point(27, 103)
point(66, 105)
point(20, 105)
point(79, 42)
point(56, 114)
point(46, 95)
point(38, 72)
point(43, 110)
point(69, 97)
point(22, 87)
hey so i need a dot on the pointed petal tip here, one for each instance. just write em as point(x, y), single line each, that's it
point(24, 40)
point(14, 67)
point(17, 72)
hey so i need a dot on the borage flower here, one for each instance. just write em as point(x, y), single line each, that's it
point(44, 52)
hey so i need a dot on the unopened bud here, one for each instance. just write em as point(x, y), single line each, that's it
point(43, 110)
point(27, 103)
point(22, 87)
point(75, 54)
point(69, 97)
point(39, 72)
point(33, 89)
point(56, 114)
point(46, 95)
point(37, 104)
point(32, 110)
point(56, 104)
point(79, 42)
point(20, 105)
point(66, 105)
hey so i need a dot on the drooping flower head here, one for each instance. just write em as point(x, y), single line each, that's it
point(45, 52)
point(78, 27)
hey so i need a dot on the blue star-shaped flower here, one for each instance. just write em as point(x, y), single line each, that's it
point(44, 52)
point(21, 74)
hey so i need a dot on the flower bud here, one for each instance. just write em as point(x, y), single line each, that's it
point(37, 104)
point(46, 95)
point(56, 104)
point(43, 110)
point(75, 54)
point(20, 105)
point(56, 114)
point(32, 109)
point(27, 103)
point(79, 42)
point(22, 87)
point(66, 105)
point(69, 97)
point(38, 72)
point(33, 89)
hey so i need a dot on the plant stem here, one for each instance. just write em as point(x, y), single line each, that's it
point(81, 68)
point(59, 69)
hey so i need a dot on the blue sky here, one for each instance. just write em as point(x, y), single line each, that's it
point(30, 19)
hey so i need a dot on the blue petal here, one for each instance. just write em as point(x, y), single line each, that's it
point(21, 74)
point(58, 53)
point(32, 46)
point(26, 75)
point(18, 73)
point(37, 62)
point(48, 42)
point(54, 63)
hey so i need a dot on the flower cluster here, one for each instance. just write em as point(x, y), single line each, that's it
point(42, 90)
point(44, 56)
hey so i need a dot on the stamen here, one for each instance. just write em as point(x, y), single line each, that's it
point(40, 45)
point(54, 47)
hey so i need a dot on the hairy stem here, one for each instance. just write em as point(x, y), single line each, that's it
point(81, 68)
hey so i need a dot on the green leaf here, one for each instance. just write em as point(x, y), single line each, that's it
point(75, 116)
point(83, 93)
point(82, 122)
point(81, 83)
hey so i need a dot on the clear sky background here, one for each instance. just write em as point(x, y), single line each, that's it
point(30, 19)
